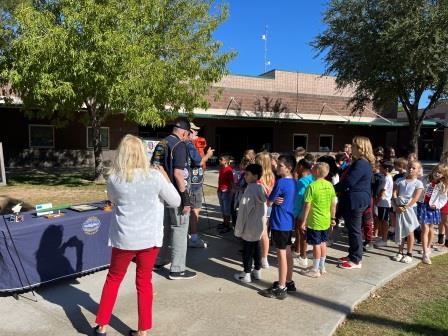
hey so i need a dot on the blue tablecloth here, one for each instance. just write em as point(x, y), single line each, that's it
point(51, 249)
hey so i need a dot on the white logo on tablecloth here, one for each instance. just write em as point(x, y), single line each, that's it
point(91, 225)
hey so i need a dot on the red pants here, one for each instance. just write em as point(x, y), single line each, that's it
point(145, 260)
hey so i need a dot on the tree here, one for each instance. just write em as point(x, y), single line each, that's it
point(388, 50)
point(88, 59)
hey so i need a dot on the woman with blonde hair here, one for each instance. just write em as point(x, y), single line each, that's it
point(267, 181)
point(355, 197)
point(136, 229)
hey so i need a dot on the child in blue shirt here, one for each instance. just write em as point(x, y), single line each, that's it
point(305, 179)
point(282, 224)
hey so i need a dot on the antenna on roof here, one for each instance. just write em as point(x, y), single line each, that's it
point(265, 38)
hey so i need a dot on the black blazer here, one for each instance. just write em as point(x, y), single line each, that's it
point(355, 187)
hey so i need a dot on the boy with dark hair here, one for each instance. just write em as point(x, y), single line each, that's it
point(384, 202)
point(250, 223)
point(281, 221)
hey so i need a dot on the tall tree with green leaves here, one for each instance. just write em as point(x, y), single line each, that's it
point(89, 59)
point(388, 50)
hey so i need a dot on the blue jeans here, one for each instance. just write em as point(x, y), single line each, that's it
point(353, 223)
point(175, 235)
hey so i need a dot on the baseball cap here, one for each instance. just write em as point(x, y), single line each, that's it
point(194, 127)
point(182, 122)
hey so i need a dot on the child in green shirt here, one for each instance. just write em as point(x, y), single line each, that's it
point(318, 215)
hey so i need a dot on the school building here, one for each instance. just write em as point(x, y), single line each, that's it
point(277, 111)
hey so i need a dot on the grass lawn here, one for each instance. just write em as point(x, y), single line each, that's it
point(55, 186)
point(416, 303)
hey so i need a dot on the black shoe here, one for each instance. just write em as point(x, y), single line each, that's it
point(132, 332)
point(97, 333)
point(441, 239)
point(290, 286)
point(275, 293)
point(184, 275)
point(158, 267)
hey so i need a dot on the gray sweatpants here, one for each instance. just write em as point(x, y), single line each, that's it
point(175, 232)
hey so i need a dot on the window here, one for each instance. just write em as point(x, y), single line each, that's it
point(300, 140)
point(325, 143)
point(41, 136)
point(104, 137)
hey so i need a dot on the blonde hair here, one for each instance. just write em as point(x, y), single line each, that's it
point(322, 169)
point(401, 163)
point(250, 155)
point(131, 155)
point(267, 176)
point(443, 169)
point(364, 148)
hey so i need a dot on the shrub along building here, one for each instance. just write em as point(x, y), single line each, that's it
point(276, 111)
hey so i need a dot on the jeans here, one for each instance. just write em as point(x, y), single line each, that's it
point(251, 253)
point(353, 223)
point(143, 281)
point(175, 235)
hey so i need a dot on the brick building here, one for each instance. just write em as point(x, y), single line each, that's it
point(277, 111)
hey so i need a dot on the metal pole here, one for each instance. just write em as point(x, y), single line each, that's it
point(2, 167)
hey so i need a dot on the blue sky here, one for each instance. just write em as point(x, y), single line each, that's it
point(292, 25)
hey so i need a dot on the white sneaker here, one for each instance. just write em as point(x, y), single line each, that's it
point(429, 251)
point(264, 263)
point(303, 262)
point(426, 260)
point(311, 272)
point(406, 259)
point(256, 274)
point(398, 257)
point(198, 243)
point(380, 243)
point(243, 277)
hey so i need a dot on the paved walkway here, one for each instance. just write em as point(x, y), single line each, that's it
point(211, 304)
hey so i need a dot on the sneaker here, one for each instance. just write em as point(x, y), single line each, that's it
point(256, 274)
point(398, 257)
point(184, 275)
point(158, 267)
point(426, 260)
point(243, 277)
point(290, 286)
point(264, 263)
point(406, 259)
point(275, 293)
point(311, 272)
point(380, 243)
point(323, 270)
point(343, 259)
point(198, 243)
point(350, 265)
point(303, 262)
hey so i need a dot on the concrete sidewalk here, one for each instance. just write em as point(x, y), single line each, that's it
point(211, 304)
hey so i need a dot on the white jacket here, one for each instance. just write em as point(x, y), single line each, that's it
point(252, 213)
point(438, 198)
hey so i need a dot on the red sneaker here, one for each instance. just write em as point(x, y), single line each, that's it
point(343, 259)
point(350, 265)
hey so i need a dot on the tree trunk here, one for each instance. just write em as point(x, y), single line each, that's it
point(414, 128)
point(97, 149)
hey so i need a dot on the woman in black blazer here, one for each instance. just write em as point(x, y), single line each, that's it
point(354, 198)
